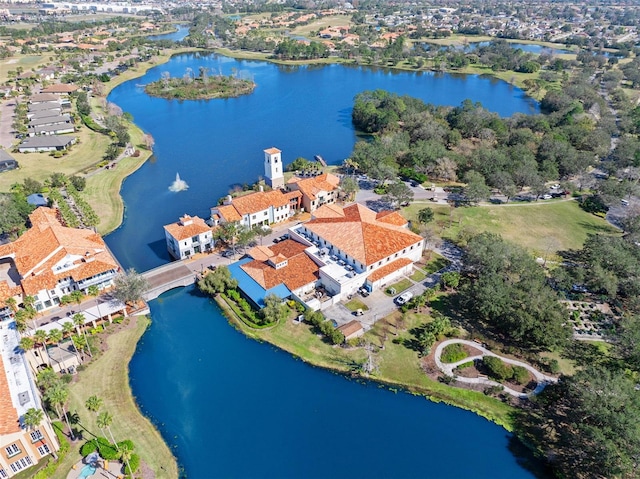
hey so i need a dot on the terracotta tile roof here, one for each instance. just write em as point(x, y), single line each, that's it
point(272, 151)
point(187, 227)
point(9, 421)
point(259, 201)
point(300, 270)
point(387, 269)
point(356, 230)
point(229, 213)
point(46, 243)
point(260, 253)
point(7, 292)
point(310, 187)
point(392, 217)
point(350, 328)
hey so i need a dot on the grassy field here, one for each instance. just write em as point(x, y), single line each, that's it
point(103, 189)
point(27, 62)
point(398, 366)
point(543, 227)
point(39, 166)
point(108, 378)
point(322, 23)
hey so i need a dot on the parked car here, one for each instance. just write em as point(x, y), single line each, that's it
point(227, 254)
point(546, 197)
point(364, 292)
point(404, 298)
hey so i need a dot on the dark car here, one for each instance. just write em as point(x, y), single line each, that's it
point(228, 253)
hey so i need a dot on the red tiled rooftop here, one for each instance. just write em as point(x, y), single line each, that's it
point(387, 269)
point(187, 227)
point(356, 230)
point(300, 269)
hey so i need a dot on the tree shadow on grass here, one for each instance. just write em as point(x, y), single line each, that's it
point(594, 228)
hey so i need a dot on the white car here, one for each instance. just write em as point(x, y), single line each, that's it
point(404, 298)
point(546, 197)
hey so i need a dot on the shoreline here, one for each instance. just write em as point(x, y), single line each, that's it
point(115, 219)
point(445, 394)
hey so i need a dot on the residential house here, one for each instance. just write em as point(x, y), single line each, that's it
point(47, 130)
point(20, 448)
point(50, 120)
point(316, 190)
point(42, 98)
point(51, 260)
point(62, 88)
point(46, 143)
point(259, 208)
point(188, 236)
point(38, 108)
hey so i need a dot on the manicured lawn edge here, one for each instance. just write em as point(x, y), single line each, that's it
point(477, 402)
point(108, 378)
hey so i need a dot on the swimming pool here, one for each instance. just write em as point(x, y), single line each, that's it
point(86, 471)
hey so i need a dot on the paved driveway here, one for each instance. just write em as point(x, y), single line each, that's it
point(381, 305)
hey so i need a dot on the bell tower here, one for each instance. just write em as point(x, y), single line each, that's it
point(273, 168)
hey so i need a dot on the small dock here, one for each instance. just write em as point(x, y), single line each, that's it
point(320, 160)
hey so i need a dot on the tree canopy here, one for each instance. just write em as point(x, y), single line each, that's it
point(507, 290)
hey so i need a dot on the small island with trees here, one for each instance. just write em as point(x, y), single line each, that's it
point(201, 87)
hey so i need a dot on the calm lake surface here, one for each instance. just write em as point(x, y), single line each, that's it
point(233, 407)
point(181, 32)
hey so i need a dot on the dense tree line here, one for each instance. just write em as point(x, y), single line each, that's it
point(508, 291)
point(290, 49)
point(450, 143)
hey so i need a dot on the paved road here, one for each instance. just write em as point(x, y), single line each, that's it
point(541, 378)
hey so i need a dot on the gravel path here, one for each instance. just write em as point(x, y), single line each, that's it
point(542, 379)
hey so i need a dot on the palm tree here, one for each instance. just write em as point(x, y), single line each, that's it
point(125, 454)
point(41, 338)
point(20, 318)
point(93, 404)
point(11, 303)
point(78, 320)
point(27, 343)
point(32, 418)
point(57, 396)
point(67, 329)
point(104, 422)
point(46, 379)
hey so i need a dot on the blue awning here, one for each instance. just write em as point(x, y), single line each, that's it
point(251, 288)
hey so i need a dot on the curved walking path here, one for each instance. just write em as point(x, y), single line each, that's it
point(542, 379)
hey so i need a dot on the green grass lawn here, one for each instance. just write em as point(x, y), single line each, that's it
point(39, 166)
point(108, 378)
point(436, 263)
point(321, 24)
point(418, 276)
point(356, 304)
point(400, 286)
point(27, 62)
point(398, 366)
point(543, 227)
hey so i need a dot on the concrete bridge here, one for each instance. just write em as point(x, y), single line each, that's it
point(169, 276)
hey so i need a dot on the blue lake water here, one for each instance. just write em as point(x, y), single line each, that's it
point(233, 407)
point(181, 32)
point(214, 144)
